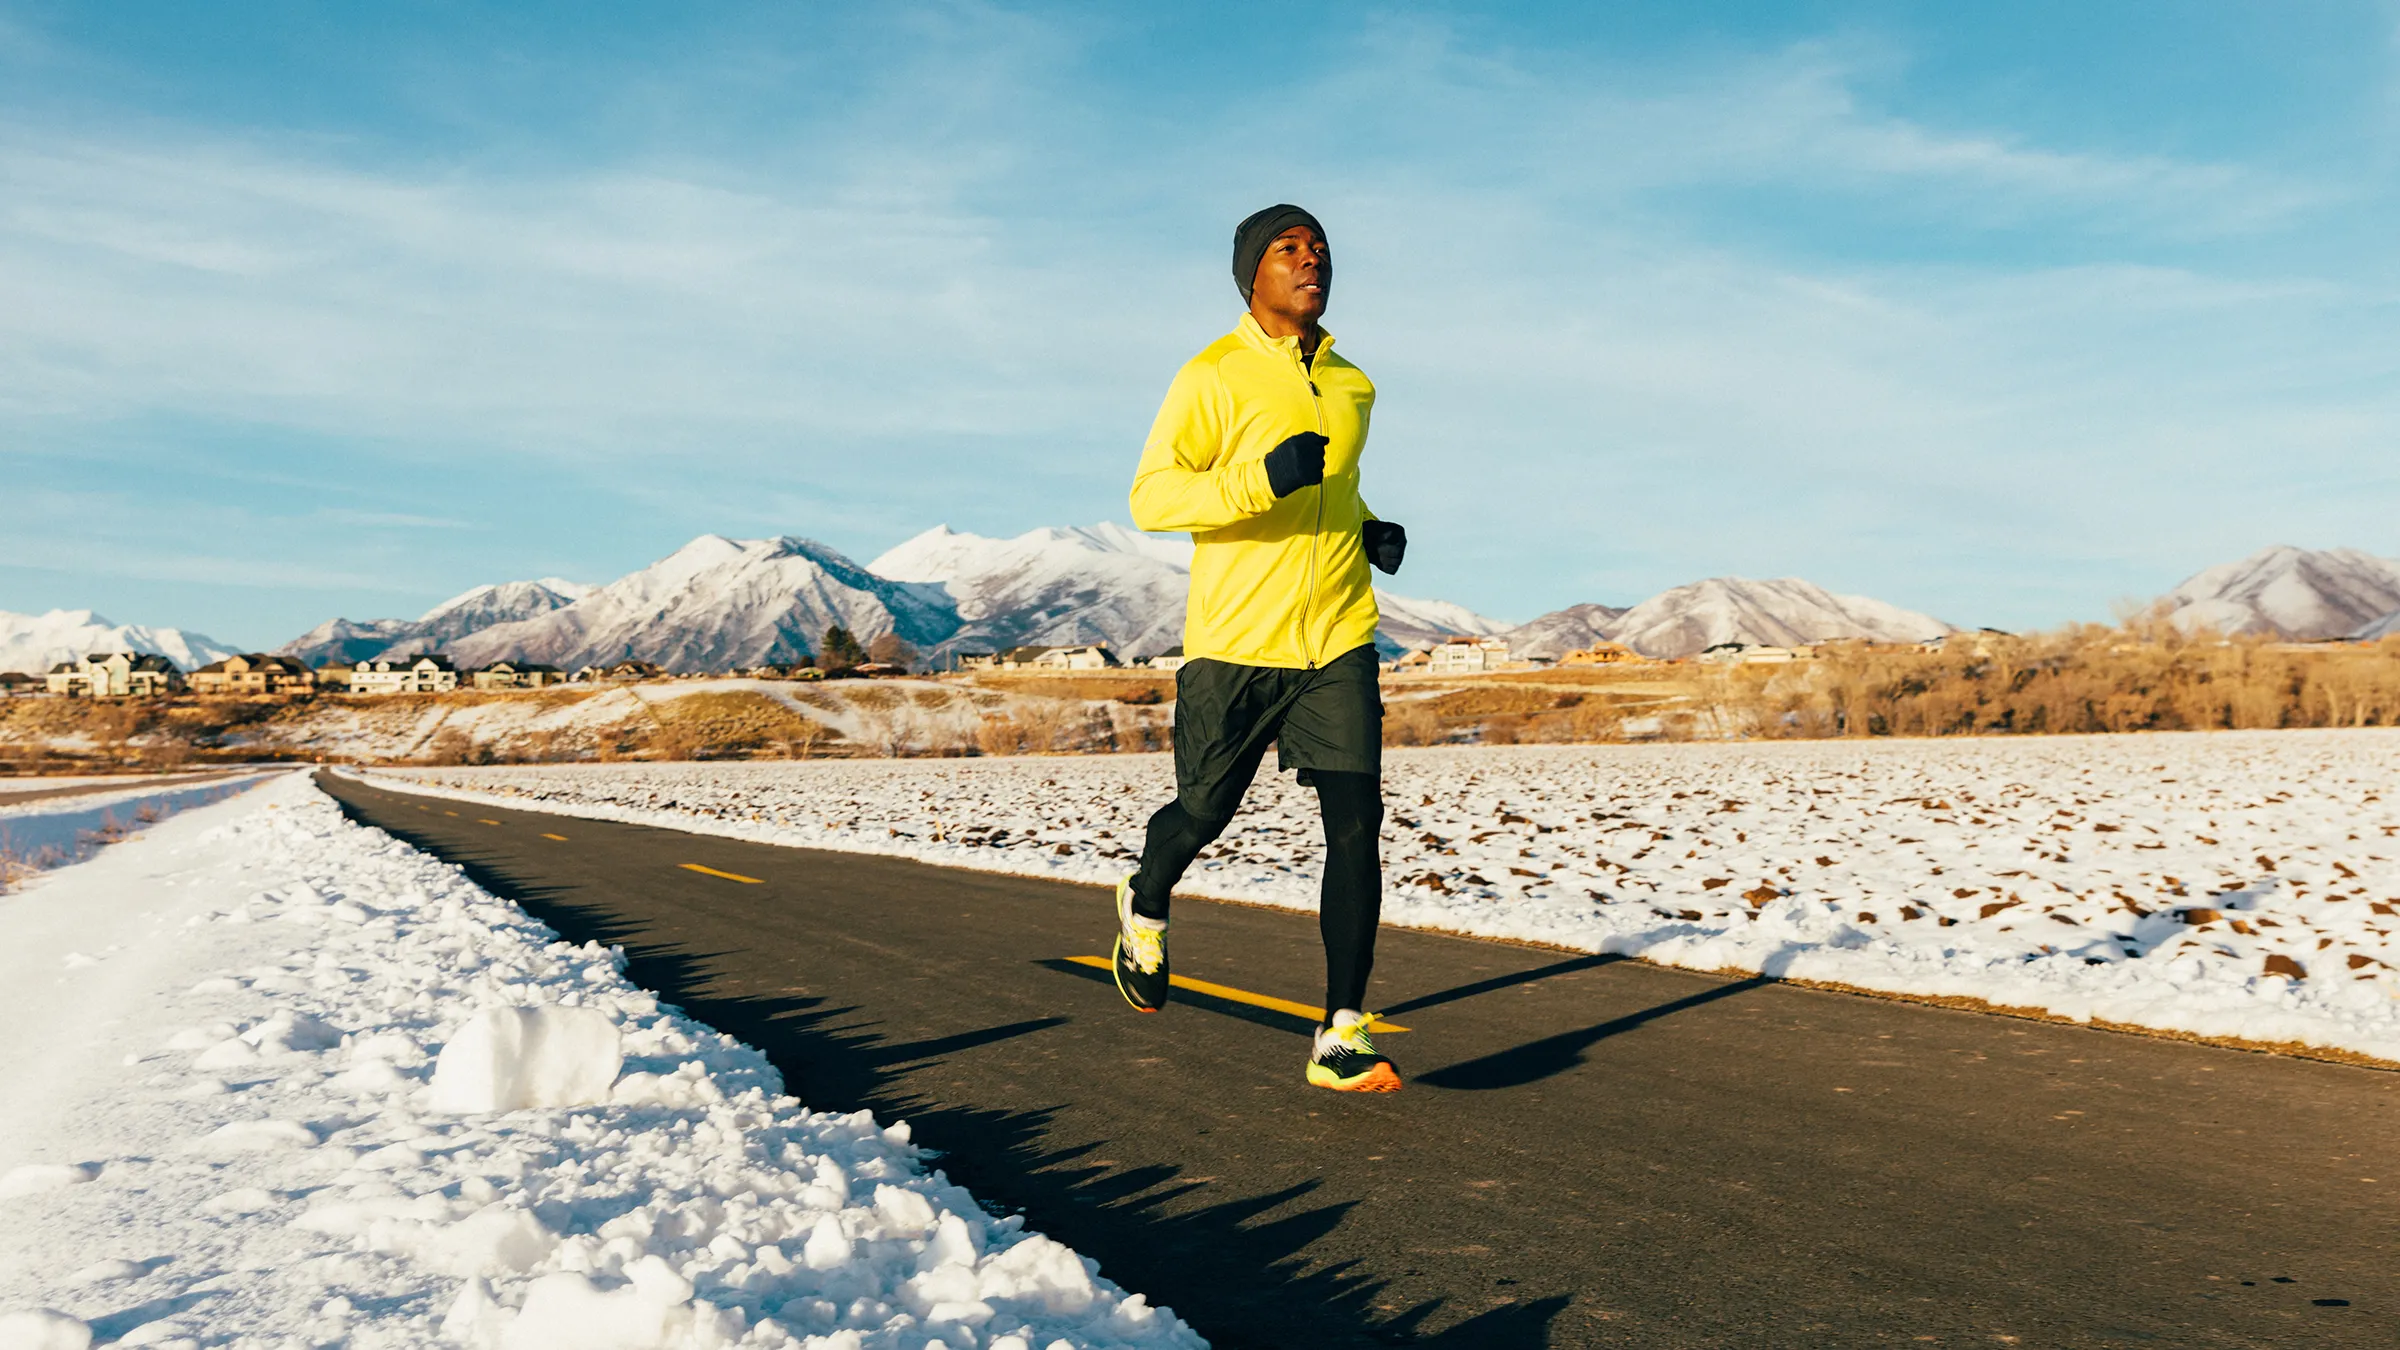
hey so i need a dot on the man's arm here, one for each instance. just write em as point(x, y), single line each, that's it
point(1174, 489)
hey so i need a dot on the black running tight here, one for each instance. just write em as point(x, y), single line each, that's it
point(1351, 899)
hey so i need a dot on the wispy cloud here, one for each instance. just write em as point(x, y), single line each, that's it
point(395, 520)
point(959, 295)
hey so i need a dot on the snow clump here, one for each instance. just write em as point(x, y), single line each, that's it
point(342, 1095)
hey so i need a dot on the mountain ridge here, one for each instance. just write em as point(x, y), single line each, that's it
point(33, 643)
point(2290, 592)
point(719, 602)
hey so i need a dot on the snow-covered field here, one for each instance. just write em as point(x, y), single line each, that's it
point(274, 1079)
point(53, 831)
point(2240, 885)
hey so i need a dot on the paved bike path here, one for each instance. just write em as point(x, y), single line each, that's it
point(1591, 1152)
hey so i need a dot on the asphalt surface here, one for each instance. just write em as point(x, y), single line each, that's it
point(1590, 1152)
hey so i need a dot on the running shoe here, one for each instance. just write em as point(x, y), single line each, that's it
point(1141, 955)
point(1346, 1061)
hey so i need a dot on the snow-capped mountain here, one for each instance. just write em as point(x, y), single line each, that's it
point(2292, 592)
point(1780, 613)
point(719, 603)
point(35, 642)
point(454, 618)
point(1052, 587)
point(1564, 630)
point(1103, 583)
point(2387, 626)
point(1410, 624)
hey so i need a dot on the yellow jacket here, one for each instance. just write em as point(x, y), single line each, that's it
point(1275, 582)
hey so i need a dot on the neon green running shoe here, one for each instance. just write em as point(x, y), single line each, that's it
point(1141, 955)
point(1346, 1061)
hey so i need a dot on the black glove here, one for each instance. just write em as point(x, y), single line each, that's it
point(1297, 463)
point(1387, 544)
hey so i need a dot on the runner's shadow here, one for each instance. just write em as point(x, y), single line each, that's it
point(1242, 1265)
point(1498, 982)
point(1193, 998)
point(1550, 1055)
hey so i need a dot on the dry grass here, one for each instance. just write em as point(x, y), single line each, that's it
point(1507, 714)
point(731, 723)
point(79, 735)
point(2143, 675)
point(1121, 686)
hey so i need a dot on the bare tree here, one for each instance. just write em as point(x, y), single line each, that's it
point(892, 650)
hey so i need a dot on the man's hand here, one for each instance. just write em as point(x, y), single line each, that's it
point(1297, 463)
point(1387, 544)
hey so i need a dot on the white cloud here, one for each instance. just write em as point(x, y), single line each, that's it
point(969, 287)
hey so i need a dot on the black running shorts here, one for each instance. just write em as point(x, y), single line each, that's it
point(1328, 719)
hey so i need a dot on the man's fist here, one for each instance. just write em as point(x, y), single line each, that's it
point(1297, 463)
point(1387, 544)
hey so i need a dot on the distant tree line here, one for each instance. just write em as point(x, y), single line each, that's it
point(841, 650)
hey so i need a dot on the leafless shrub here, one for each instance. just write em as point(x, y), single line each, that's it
point(1414, 722)
point(452, 745)
point(1051, 724)
point(997, 735)
point(1580, 722)
point(2142, 675)
point(1133, 729)
point(802, 740)
point(891, 731)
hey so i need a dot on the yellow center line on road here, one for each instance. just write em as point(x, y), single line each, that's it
point(449, 813)
point(559, 837)
point(480, 821)
point(729, 876)
point(1228, 992)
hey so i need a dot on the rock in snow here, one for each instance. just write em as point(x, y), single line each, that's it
point(327, 1193)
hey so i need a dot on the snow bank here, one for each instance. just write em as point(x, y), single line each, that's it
point(321, 1089)
point(514, 1059)
point(53, 831)
point(2239, 884)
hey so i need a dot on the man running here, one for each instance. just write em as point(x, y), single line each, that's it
point(1255, 452)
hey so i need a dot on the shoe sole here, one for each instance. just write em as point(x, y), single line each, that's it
point(1381, 1078)
point(1116, 970)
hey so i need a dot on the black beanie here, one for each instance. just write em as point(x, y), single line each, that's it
point(1251, 237)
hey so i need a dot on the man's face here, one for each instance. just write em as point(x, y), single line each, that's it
point(1295, 278)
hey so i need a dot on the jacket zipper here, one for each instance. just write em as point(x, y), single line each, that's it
point(1308, 604)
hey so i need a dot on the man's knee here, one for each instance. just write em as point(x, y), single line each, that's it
point(1353, 807)
point(1181, 820)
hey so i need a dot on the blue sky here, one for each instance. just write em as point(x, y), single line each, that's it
point(2005, 313)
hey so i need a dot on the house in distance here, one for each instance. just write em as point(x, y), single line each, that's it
point(426, 673)
point(517, 675)
point(116, 675)
point(254, 673)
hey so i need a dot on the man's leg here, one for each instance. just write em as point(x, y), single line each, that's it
point(1351, 900)
point(1174, 839)
point(1224, 716)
